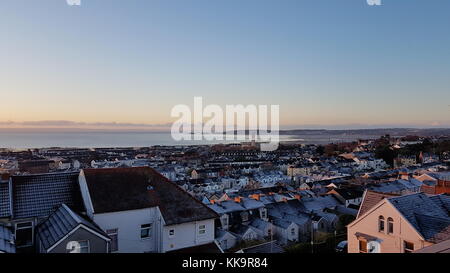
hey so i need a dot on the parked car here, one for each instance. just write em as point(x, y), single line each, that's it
point(342, 247)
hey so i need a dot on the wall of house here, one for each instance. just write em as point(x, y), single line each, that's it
point(389, 243)
point(85, 195)
point(187, 235)
point(96, 244)
point(129, 224)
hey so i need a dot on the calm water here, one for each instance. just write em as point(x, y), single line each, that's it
point(19, 140)
point(94, 139)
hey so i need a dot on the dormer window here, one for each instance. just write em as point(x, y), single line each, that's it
point(381, 224)
point(390, 225)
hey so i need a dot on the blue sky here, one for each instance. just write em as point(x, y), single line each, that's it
point(327, 63)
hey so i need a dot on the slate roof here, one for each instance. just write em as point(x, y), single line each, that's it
point(60, 223)
point(370, 199)
point(270, 247)
point(226, 207)
point(122, 189)
point(441, 200)
point(201, 249)
point(260, 224)
point(5, 209)
point(349, 194)
point(428, 217)
point(6, 237)
point(320, 203)
point(39, 195)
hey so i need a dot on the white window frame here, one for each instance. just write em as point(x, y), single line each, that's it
point(202, 229)
point(173, 233)
point(20, 228)
point(149, 228)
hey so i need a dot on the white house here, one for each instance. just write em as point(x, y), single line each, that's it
point(142, 211)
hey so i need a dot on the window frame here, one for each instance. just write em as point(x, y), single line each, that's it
point(360, 243)
point(146, 228)
point(173, 233)
point(202, 229)
point(390, 225)
point(31, 226)
point(407, 249)
point(381, 224)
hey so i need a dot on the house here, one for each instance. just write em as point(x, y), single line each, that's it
point(440, 183)
point(286, 231)
point(269, 247)
point(27, 200)
point(35, 166)
point(226, 239)
point(442, 247)
point(246, 233)
point(6, 240)
point(64, 231)
point(263, 228)
point(160, 216)
point(347, 196)
point(399, 224)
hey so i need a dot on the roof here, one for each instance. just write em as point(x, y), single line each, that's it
point(5, 209)
point(122, 189)
point(442, 247)
point(201, 249)
point(60, 223)
point(428, 217)
point(270, 247)
point(260, 224)
point(349, 194)
point(39, 195)
point(6, 240)
point(370, 199)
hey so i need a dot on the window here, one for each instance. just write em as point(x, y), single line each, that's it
point(24, 234)
point(293, 231)
point(146, 231)
point(381, 224)
point(202, 229)
point(263, 213)
point(408, 247)
point(362, 246)
point(114, 235)
point(171, 232)
point(78, 247)
point(390, 225)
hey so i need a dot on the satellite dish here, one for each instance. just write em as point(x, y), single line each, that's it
point(373, 247)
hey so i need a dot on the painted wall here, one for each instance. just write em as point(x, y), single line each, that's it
point(389, 243)
point(129, 224)
point(187, 235)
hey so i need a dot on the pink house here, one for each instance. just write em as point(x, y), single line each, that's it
point(399, 224)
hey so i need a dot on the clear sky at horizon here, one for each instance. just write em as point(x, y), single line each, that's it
point(327, 63)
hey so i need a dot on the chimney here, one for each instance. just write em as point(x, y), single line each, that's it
point(5, 177)
point(255, 196)
point(298, 196)
point(238, 199)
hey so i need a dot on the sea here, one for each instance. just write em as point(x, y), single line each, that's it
point(26, 140)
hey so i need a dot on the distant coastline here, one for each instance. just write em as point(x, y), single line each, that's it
point(72, 138)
